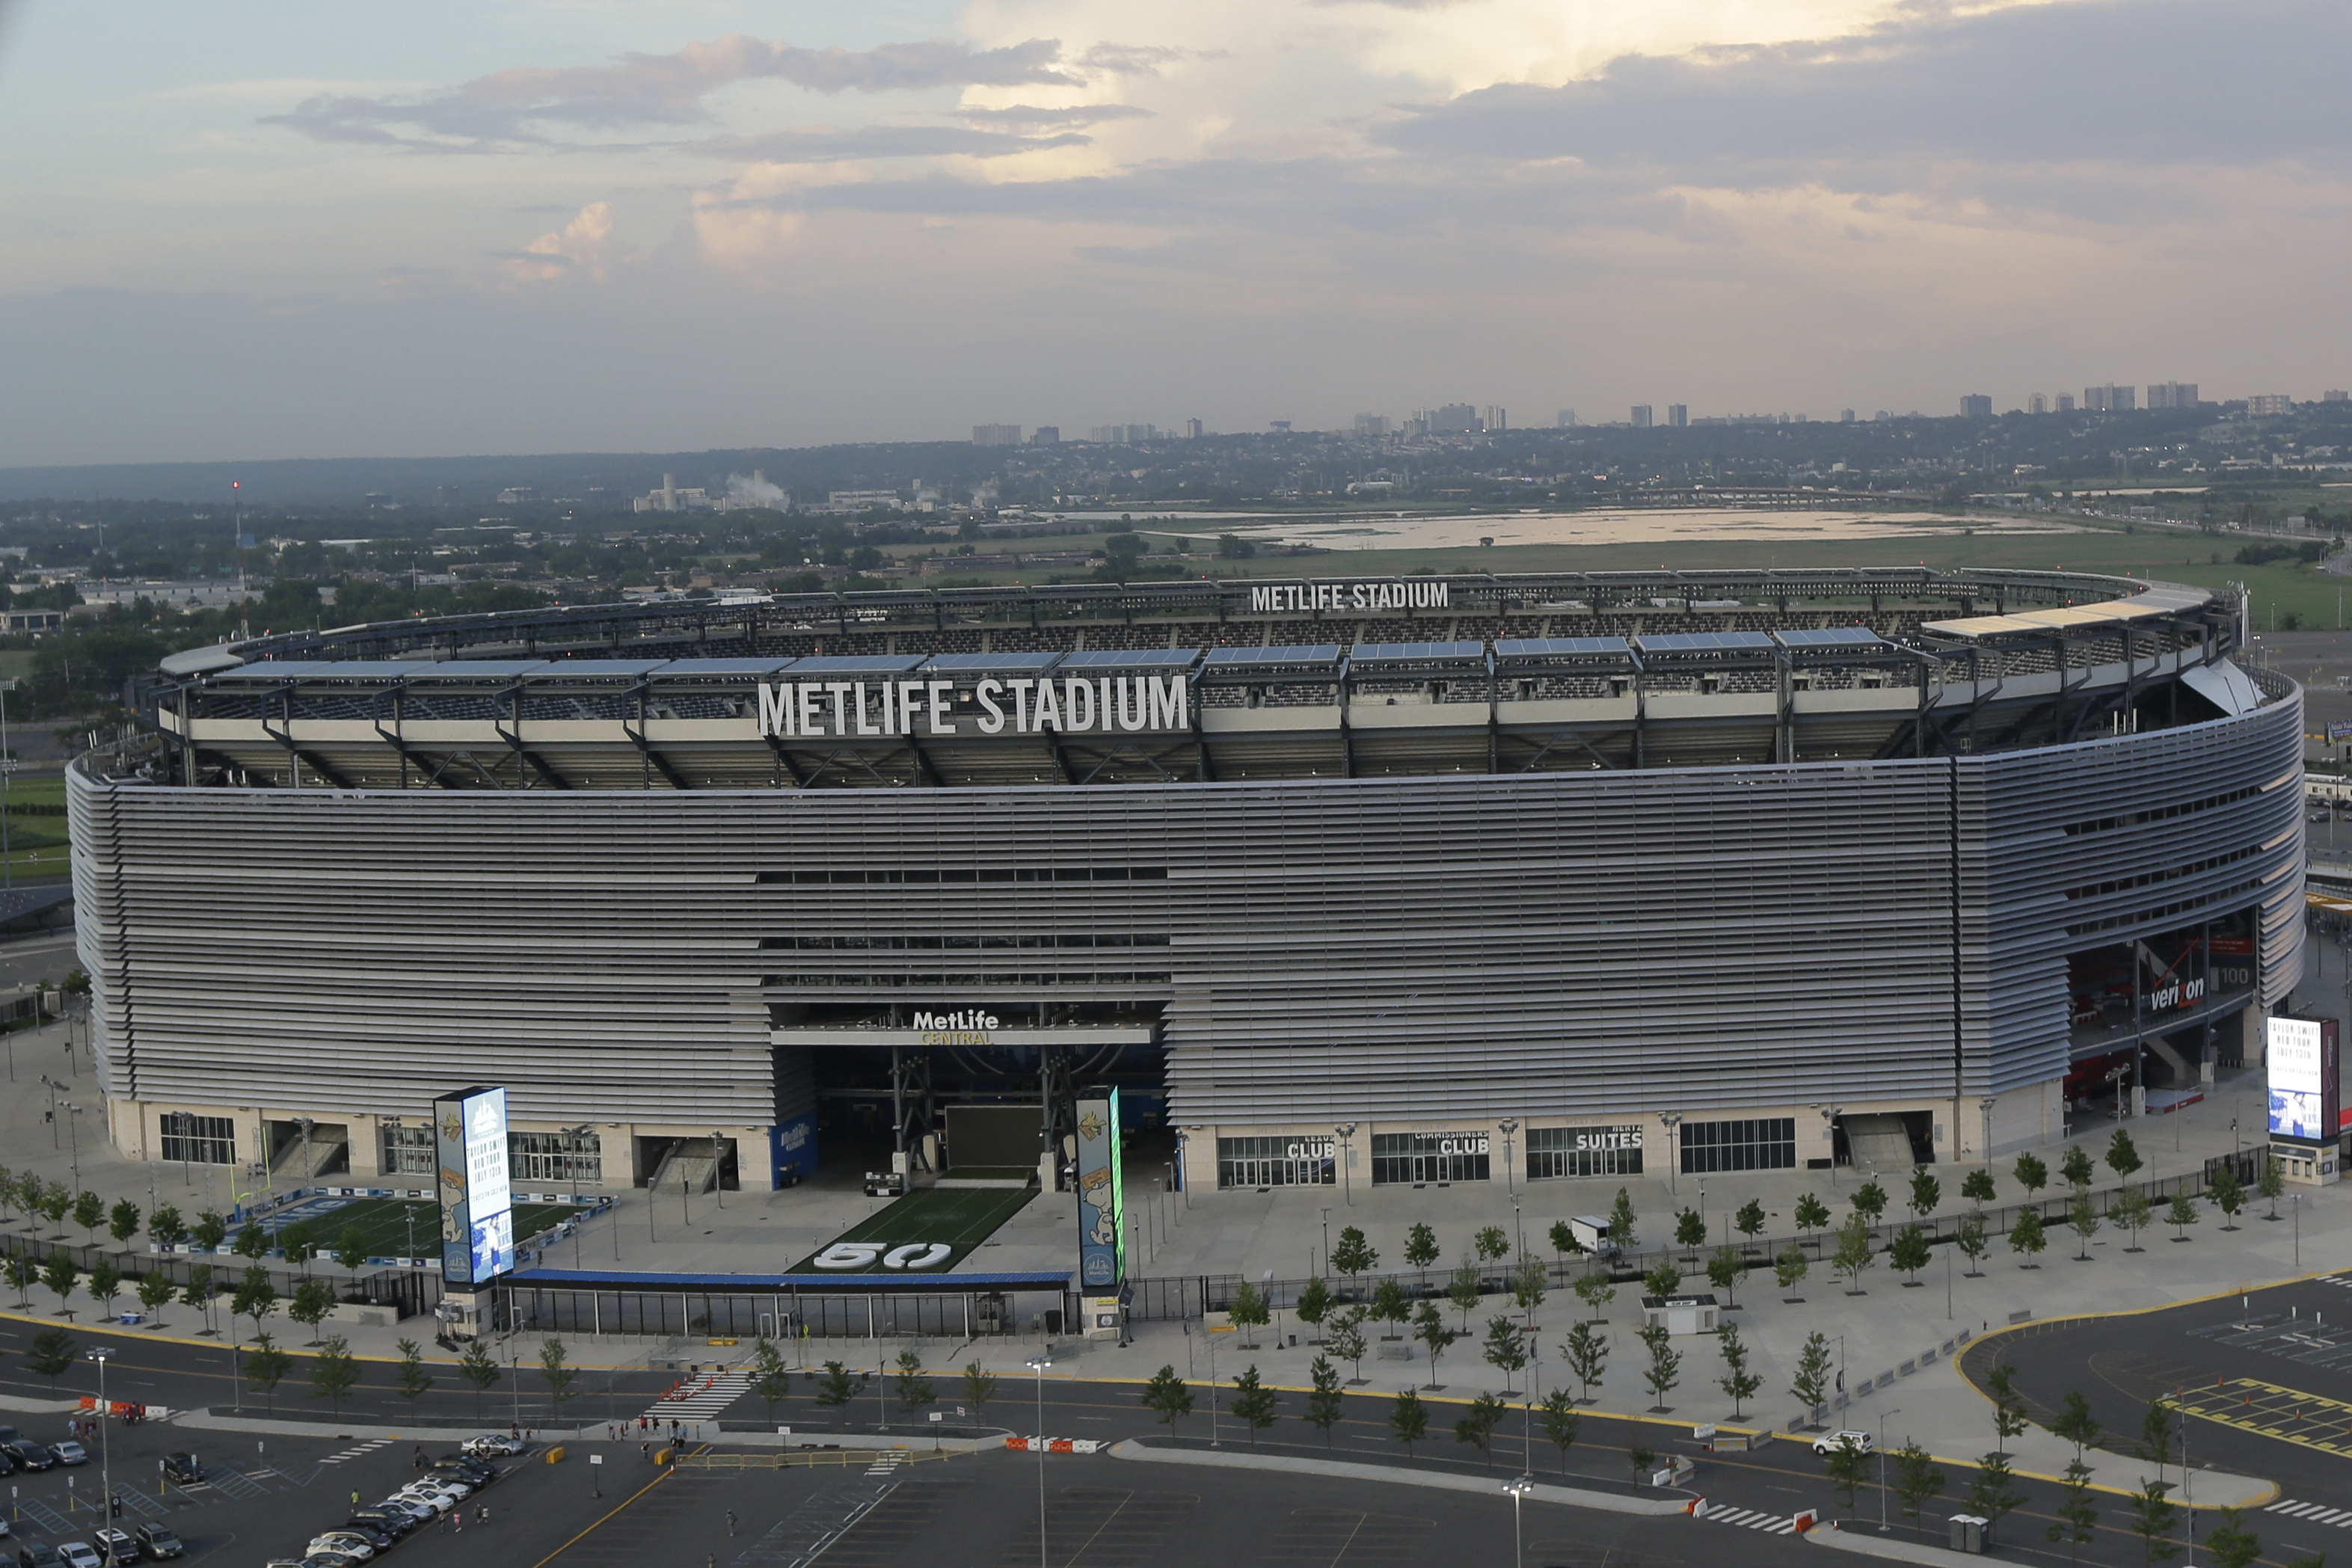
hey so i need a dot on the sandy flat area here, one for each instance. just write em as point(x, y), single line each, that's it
point(1633, 526)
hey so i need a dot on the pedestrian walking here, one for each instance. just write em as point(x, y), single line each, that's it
point(482, 1513)
point(457, 1522)
point(646, 1449)
point(355, 1497)
point(730, 1521)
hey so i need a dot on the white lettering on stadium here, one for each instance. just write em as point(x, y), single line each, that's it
point(1071, 704)
point(1302, 598)
point(970, 1017)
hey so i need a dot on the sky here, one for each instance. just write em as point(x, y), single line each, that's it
point(270, 228)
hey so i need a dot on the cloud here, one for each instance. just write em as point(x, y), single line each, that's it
point(577, 247)
point(1030, 117)
point(830, 144)
point(538, 106)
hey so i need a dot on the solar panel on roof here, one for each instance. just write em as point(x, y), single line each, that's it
point(689, 669)
point(1704, 642)
point(583, 669)
point(962, 664)
point(1130, 658)
point(1828, 637)
point(1554, 647)
point(1417, 653)
point(1319, 654)
point(474, 669)
point(856, 664)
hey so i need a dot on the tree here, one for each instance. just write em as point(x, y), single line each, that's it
point(334, 1372)
point(2157, 1425)
point(1477, 1425)
point(90, 1213)
point(1910, 1251)
point(57, 1202)
point(210, 1232)
point(1916, 1478)
point(1354, 1256)
point(124, 1221)
point(155, 1293)
point(1749, 1220)
point(8, 1192)
point(2075, 1424)
point(1969, 1236)
point(1588, 1356)
point(1992, 1494)
point(2030, 1174)
point(299, 1244)
point(1812, 1219)
point(1464, 1292)
point(2028, 1237)
point(2232, 1544)
point(2271, 1183)
point(2133, 1213)
point(2083, 1219)
point(555, 1370)
point(1430, 1330)
point(2077, 1168)
point(1641, 1458)
point(1325, 1402)
point(1562, 1424)
point(1528, 1286)
point(1253, 1403)
point(199, 1293)
point(1665, 1370)
point(256, 1297)
point(1870, 1201)
point(481, 1371)
point(1725, 1269)
point(1345, 1339)
point(1978, 1189)
point(1790, 1269)
point(166, 1229)
point(916, 1394)
point(1390, 1305)
point(313, 1300)
point(1739, 1384)
point(1926, 1193)
point(60, 1274)
point(1491, 1244)
point(2076, 1521)
point(2123, 1154)
point(1506, 1348)
point(1853, 1252)
point(265, 1367)
point(252, 1242)
point(52, 1352)
point(1690, 1232)
point(350, 1249)
point(1315, 1301)
point(1664, 1280)
point(836, 1388)
point(1407, 1420)
point(772, 1380)
point(979, 1389)
point(1421, 1248)
point(1812, 1384)
point(2152, 1518)
point(1593, 1289)
point(1621, 1221)
point(2229, 1196)
point(1249, 1310)
point(409, 1376)
point(1167, 1397)
point(105, 1284)
point(1849, 1469)
point(2181, 1214)
point(1563, 1241)
point(2008, 1409)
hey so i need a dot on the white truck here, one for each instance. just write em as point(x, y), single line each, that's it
point(1591, 1232)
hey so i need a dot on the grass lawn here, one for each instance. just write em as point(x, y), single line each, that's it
point(384, 1221)
point(958, 1217)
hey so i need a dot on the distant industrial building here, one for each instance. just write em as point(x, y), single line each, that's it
point(671, 498)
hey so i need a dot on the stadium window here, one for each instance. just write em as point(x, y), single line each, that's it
point(1584, 1151)
point(1419, 1158)
point(1274, 1162)
point(555, 1157)
point(199, 1140)
point(1762, 1143)
point(408, 1151)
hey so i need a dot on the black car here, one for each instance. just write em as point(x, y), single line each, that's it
point(382, 1522)
point(473, 1472)
point(31, 1455)
point(378, 1538)
point(38, 1555)
point(183, 1468)
point(157, 1541)
point(8, 1465)
point(116, 1546)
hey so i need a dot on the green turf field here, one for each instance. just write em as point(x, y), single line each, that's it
point(959, 1218)
point(384, 1221)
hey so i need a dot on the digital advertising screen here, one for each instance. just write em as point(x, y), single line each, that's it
point(2299, 1057)
point(1102, 1192)
point(469, 1137)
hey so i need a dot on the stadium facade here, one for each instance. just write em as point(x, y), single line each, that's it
point(1349, 881)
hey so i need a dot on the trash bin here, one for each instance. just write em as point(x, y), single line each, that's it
point(1967, 1532)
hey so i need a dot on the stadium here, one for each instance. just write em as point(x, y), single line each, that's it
point(1342, 881)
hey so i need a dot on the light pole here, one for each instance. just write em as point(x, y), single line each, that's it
point(1506, 1127)
point(105, 1449)
point(1519, 1488)
point(1039, 1366)
point(1671, 1119)
point(2296, 1206)
point(1184, 1166)
point(1347, 1188)
point(1882, 1465)
point(1986, 1105)
point(1326, 1238)
point(1829, 1114)
point(717, 1175)
point(73, 1129)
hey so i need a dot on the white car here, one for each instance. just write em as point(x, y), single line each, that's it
point(421, 1512)
point(1831, 1442)
point(80, 1554)
point(492, 1445)
point(454, 1486)
point(425, 1497)
point(339, 1541)
point(70, 1453)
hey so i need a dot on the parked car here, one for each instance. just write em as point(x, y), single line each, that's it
point(344, 1541)
point(417, 1512)
point(328, 1560)
point(70, 1453)
point(425, 1497)
point(455, 1486)
point(39, 1554)
point(473, 1472)
point(31, 1455)
point(1830, 1442)
point(80, 1554)
point(493, 1445)
point(157, 1541)
point(116, 1545)
point(8, 1465)
point(184, 1469)
point(377, 1540)
point(384, 1520)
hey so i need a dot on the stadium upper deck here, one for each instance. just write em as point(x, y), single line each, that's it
point(1151, 683)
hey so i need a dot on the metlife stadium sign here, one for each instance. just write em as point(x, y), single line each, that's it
point(469, 1141)
point(1029, 704)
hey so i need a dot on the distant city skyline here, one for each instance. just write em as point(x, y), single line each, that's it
point(271, 233)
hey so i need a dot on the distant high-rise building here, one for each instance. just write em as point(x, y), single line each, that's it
point(2065, 402)
point(2269, 405)
point(1678, 414)
point(1106, 434)
point(1047, 436)
point(2172, 394)
point(1565, 419)
point(1975, 405)
point(2095, 400)
point(1497, 417)
point(1640, 416)
point(996, 435)
point(1283, 425)
point(2037, 403)
point(1136, 434)
point(1452, 419)
point(2112, 398)
point(1372, 424)
point(1193, 430)
point(2335, 396)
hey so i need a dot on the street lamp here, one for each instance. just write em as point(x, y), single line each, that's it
point(1882, 1465)
point(105, 1449)
point(1671, 1119)
point(73, 1128)
point(1039, 1366)
point(1347, 1189)
point(1518, 1488)
point(717, 1175)
point(1829, 1114)
point(1326, 1238)
point(1506, 1127)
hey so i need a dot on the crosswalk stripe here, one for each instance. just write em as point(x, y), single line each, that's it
point(2301, 1510)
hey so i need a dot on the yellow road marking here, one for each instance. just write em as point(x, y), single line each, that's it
point(2274, 1410)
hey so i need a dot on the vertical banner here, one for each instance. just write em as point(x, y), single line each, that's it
point(1102, 1193)
point(2299, 1057)
point(469, 1145)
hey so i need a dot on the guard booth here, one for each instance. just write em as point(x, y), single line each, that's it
point(1680, 1314)
point(1107, 1314)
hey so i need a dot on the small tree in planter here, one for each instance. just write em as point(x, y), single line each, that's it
point(2077, 1168)
point(155, 1293)
point(2030, 1174)
point(313, 1302)
point(1429, 1327)
point(1790, 1269)
point(1910, 1252)
point(2028, 1237)
point(1420, 1249)
point(1853, 1252)
point(1313, 1305)
point(2133, 1212)
point(1355, 1257)
point(2083, 1219)
point(2122, 1155)
point(1690, 1233)
point(1749, 1220)
point(1390, 1306)
point(1812, 1219)
point(2229, 1196)
point(2271, 1183)
point(1812, 1384)
point(1737, 1383)
point(1249, 1310)
point(1588, 1356)
point(1345, 1339)
point(1978, 1189)
point(2181, 1214)
point(1724, 1271)
point(1969, 1236)
point(1870, 1201)
point(167, 1229)
point(1593, 1289)
point(1926, 1193)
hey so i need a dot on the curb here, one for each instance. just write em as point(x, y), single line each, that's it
point(1129, 1448)
point(1898, 1551)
